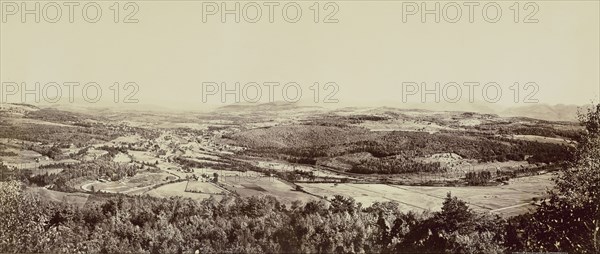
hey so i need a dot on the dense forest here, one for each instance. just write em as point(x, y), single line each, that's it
point(395, 165)
point(122, 224)
point(392, 152)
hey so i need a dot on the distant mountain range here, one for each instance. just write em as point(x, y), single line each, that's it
point(271, 106)
point(559, 112)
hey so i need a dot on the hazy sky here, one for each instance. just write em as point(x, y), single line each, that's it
point(369, 53)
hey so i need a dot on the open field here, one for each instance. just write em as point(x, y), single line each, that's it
point(542, 139)
point(27, 159)
point(404, 125)
point(513, 198)
point(176, 190)
point(204, 187)
point(93, 154)
point(23, 156)
point(142, 156)
point(282, 166)
point(77, 199)
point(127, 185)
point(121, 157)
point(32, 164)
point(254, 184)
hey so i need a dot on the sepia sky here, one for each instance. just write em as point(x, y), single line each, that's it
point(369, 53)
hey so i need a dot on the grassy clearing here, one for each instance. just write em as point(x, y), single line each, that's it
point(257, 185)
point(177, 190)
point(77, 199)
point(204, 187)
point(142, 156)
point(514, 198)
point(129, 184)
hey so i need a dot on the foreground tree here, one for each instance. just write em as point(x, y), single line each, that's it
point(570, 219)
